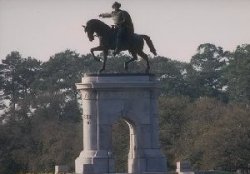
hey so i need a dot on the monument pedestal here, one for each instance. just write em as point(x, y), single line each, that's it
point(107, 98)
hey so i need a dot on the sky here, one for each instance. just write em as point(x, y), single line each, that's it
point(42, 28)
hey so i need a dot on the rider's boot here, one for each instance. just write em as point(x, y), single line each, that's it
point(119, 39)
point(118, 45)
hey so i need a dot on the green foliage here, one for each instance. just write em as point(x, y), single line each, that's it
point(172, 121)
point(17, 75)
point(44, 117)
point(61, 71)
point(205, 71)
point(215, 135)
point(171, 76)
point(120, 142)
point(230, 137)
point(203, 114)
point(238, 76)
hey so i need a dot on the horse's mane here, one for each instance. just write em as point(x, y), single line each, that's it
point(98, 23)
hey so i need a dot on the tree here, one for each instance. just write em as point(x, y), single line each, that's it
point(170, 74)
point(202, 115)
point(2, 104)
point(172, 121)
point(17, 75)
point(61, 72)
point(214, 135)
point(11, 80)
point(46, 113)
point(238, 76)
point(56, 85)
point(229, 139)
point(205, 71)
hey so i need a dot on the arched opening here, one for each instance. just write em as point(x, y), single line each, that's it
point(122, 141)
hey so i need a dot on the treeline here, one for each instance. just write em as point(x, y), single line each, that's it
point(204, 109)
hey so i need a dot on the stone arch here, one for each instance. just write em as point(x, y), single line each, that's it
point(133, 141)
point(132, 138)
point(108, 98)
point(132, 154)
point(123, 142)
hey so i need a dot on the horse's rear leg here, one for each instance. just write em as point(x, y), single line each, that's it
point(131, 60)
point(145, 57)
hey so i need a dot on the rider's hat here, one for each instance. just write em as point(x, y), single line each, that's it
point(116, 4)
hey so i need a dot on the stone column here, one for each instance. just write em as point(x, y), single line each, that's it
point(94, 159)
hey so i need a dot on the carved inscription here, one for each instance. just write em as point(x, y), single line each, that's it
point(87, 118)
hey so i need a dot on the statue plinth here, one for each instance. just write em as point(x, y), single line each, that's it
point(107, 98)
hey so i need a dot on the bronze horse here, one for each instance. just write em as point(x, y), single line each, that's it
point(107, 34)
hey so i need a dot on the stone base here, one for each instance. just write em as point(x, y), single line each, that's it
point(94, 162)
point(151, 161)
point(98, 162)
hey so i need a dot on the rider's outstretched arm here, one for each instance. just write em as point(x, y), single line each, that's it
point(106, 15)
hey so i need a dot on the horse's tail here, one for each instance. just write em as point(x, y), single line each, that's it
point(150, 44)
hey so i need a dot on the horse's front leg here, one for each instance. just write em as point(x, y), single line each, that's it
point(105, 54)
point(99, 48)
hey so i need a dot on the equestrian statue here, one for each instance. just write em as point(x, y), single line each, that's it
point(119, 37)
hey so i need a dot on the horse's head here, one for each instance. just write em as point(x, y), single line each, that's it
point(95, 26)
point(90, 32)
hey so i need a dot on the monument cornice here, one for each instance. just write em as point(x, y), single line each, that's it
point(118, 81)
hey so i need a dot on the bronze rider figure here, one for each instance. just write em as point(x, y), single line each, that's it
point(123, 24)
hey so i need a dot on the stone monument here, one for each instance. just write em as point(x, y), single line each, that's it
point(107, 98)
